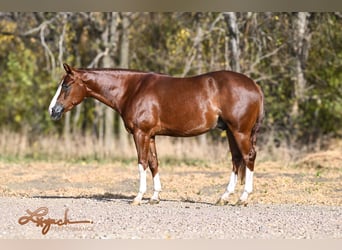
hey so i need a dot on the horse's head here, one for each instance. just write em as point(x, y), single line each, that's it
point(71, 91)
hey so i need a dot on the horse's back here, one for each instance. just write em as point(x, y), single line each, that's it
point(232, 80)
point(223, 89)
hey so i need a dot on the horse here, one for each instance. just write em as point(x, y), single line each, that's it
point(152, 104)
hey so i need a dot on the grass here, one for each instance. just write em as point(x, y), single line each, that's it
point(18, 147)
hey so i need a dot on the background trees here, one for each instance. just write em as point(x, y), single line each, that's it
point(295, 57)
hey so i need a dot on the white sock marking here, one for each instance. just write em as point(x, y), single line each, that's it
point(230, 187)
point(155, 196)
point(54, 99)
point(156, 183)
point(157, 187)
point(142, 185)
point(232, 183)
point(142, 174)
point(248, 185)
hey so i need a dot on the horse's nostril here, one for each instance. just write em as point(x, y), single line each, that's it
point(57, 111)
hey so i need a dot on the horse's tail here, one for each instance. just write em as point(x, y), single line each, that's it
point(259, 119)
point(253, 138)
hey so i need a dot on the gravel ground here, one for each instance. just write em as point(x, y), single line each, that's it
point(117, 219)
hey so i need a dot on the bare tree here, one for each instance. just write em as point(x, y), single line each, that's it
point(301, 44)
point(110, 39)
point(231, 21)
point(124, 63)
point(197, 47)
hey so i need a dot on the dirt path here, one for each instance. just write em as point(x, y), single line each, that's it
point(117, 219)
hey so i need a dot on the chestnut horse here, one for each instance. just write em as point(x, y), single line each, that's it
point(153, 104)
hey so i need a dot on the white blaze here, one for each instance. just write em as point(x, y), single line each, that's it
point(54, 99)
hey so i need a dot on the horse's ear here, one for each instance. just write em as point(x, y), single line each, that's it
point(67, 69)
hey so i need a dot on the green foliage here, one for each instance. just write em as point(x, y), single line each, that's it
point(17, 80)
point(323, 107)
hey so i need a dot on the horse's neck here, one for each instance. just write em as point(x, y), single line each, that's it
point(110, 87)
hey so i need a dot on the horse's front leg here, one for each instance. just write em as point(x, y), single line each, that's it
point(153, 164)
point(142, 141)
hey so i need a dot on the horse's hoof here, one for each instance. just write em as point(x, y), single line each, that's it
point(241, 203)
point(154, 201)
point(221, 202)
point(136, 203)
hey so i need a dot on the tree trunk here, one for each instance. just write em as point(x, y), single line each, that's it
point(99, 117)
point(202, 138)
point(301, 49)
point(124, 62)
point(301, 37)
point(66, 129)
point(75, 128)
point(195, 50)
point(109, 40)
point(231, 21)
point(109, 139)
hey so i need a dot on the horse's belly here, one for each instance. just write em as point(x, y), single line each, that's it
point(188, 123)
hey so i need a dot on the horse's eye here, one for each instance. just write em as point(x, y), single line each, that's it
point(65, 86)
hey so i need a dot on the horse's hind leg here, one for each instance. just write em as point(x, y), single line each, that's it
point(246, 145)
point(153, 165)
point(237, 164)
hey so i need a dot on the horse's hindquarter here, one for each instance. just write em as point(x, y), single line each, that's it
point(240, 101)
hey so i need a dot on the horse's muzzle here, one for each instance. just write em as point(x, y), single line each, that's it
point(57, 111)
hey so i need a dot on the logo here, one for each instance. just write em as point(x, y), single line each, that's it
point(38, 218)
